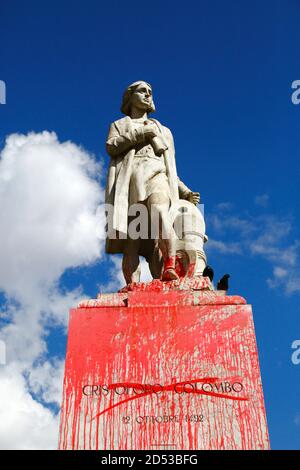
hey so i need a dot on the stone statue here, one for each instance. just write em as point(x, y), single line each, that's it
point(143, 171)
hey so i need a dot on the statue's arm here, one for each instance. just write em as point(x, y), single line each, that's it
point(184, 191)
point(187, 193)
point(117, 143)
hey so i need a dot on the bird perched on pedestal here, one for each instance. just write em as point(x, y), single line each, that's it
point(208, 272)
point(223, 283)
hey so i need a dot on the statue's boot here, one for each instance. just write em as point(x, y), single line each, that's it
point(169, 273)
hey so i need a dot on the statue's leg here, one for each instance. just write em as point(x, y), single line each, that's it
point(158, 206)
point(131, 261)
point(155, 261)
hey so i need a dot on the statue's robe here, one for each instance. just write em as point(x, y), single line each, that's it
point(118, 181)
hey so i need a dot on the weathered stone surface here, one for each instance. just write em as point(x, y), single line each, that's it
point(142, 171)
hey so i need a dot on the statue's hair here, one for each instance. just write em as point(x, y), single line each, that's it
point(126, 101)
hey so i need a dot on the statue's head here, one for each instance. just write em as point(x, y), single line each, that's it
point(138, 94)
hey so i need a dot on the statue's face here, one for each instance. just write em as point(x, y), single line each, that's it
point(141, 98)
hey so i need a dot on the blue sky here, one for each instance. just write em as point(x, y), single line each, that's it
point(221, 74)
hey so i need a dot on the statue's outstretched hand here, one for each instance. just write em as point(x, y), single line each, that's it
point(194, 198)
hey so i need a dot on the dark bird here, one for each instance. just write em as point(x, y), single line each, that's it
point(223, 282)
point(208, 272)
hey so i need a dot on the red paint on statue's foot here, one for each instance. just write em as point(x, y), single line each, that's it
point(179, 267)
point(169, 273)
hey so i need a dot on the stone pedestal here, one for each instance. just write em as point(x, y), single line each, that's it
point(163, 366)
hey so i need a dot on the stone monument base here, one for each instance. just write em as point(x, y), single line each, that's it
point(163, 366)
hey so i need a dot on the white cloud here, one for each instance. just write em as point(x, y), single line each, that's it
point(268, 236)
point(51, 221)
point(224, 206)
point(289, 284)
point(115, 276)
point(280, 272)
point(297, 419)
point(279, 275)
point(45, 380)
point(221, 222)
point(145, 271)
point(223, 247)
point(262, 200)
point(293, 283)
point(25, 423)
point(48, 203)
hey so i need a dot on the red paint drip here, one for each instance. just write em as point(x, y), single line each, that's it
point(141, 344)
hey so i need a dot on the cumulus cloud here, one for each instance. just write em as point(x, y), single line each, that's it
point(48, 206)
point(45, 380)
point(25, 423)
point(50, 199)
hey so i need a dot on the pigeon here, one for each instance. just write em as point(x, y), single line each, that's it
point(208, 272)
point(223, 283)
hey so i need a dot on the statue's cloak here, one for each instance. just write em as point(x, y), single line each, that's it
point(118, 184)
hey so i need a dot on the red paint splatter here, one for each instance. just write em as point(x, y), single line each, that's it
point(163, 344)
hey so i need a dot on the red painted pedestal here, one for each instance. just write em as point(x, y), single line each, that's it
point(163, 366)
